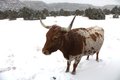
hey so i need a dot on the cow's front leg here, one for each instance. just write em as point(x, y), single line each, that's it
point(77, 60)
point(68, 65)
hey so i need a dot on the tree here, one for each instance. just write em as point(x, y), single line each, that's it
point(66, 13)
point(78, 12)
point(94, 13)
point(45, 12)
point(115, 10)
point(12, 15)
point(61, 12)
point(37, 14)
point(53, 13)
point(106, 11)
point(26, 13)
point(3, 15)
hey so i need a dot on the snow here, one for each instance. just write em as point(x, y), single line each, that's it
point(21, 57)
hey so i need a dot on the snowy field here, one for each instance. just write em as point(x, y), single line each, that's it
point(21, 57)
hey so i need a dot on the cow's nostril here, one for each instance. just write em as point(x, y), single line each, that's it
point(46, 52)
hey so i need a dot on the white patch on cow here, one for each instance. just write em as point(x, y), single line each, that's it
point(90, 43)
point(83, 33)
point(77, 58)
point(97, 29)
point(90, 30)
point(64, 29)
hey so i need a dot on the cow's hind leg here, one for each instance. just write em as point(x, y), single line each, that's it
point(97, 56)
point(87, 57)
point(68, 65)
point(77, 60)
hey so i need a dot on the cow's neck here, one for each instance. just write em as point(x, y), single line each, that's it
point(66, 46)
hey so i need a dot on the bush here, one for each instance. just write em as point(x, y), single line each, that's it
point(12, 15)
point(96, 14)
point(3, 15)
point(115, 16)
point(115, 10)
point(78, 12)
point(106, 11)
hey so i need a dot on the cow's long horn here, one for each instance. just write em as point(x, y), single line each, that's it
point(44, 24)
point(70, 26)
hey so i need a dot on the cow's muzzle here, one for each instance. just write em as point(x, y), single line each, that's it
point(46, 52)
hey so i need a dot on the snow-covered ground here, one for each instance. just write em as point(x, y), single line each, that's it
point(21, 57)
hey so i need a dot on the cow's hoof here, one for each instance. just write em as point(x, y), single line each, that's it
point(73, 73)
point(87, 59)
point(97, 60)
point(67, 71)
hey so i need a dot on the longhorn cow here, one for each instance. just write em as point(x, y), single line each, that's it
point(73, 43)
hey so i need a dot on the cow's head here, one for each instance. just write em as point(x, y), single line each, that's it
point(54, 37)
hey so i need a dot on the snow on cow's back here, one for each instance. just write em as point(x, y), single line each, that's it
point(91, 30)
point(97, 29)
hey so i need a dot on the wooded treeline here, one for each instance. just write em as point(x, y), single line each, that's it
point(30, 14)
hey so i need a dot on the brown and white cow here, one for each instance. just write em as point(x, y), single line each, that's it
point(73, 43)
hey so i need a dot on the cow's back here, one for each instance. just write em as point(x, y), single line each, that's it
point(94, 37)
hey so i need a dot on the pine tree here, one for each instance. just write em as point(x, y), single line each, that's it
point(94, 13)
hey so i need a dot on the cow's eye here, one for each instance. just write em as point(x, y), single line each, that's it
point(55, 38)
